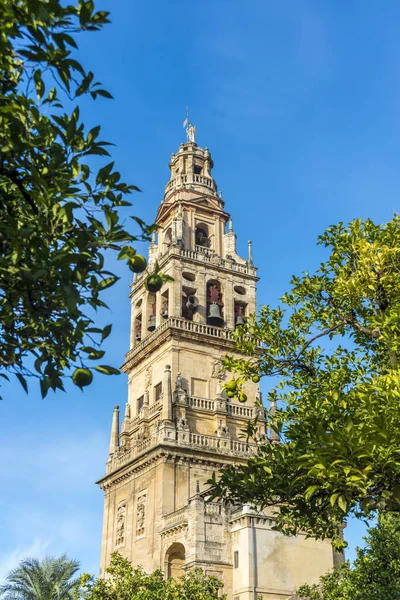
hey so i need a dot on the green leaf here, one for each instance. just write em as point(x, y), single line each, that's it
point(106, 332)
point(44, 387)
point(107, 370)
point(107, 282)
point(104, 93)
point(22, 381)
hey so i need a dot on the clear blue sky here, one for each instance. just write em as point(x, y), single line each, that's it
point(299, 103)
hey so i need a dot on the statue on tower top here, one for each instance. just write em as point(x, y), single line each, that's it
point(190, 129)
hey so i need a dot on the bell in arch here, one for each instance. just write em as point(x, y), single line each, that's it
point(239, 320)
point(214, 315)
point(152, 323)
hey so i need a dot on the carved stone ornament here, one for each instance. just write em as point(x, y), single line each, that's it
point(140, 515)
point(121, 518)
point(217, 370)
point(148, 377)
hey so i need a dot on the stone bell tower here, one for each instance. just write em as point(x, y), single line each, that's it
point(179, 427)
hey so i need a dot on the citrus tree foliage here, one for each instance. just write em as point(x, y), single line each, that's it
point(333, 343)
point(375, 574)
point(127, 583)
point(58, 214)
point(47, 579)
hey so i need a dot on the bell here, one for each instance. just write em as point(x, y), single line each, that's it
point(239, 320)
point(214, 317)
point(152, 323)
point(164, 313)
point(192, 302)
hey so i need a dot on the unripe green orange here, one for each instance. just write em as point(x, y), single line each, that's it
point(255, 379)
point(82, 377)
point(231, 385)
point(154, 282)
point(230, 394)
point(137, 263)
point(242, 397)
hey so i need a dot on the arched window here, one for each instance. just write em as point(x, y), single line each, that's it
point(202, 235)
point(175, 559)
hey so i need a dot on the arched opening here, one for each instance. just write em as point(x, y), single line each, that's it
point(189, 302)
point(201, 235)
point(175, 559)
point(165, 304)
point(214, 303)
point(151, 304)
point(168, 238)
point(138, 328)
point(240, 313)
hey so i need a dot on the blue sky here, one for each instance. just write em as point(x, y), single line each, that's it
point(299, 103)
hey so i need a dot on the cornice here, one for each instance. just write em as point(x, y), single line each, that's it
point(167, 452)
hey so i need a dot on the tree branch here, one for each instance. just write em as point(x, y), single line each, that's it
point(12, 175)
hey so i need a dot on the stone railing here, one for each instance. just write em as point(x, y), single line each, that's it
point(200, 441)
point(235, 410)
point(239, 410)
point(183, 325)
point(220, 443)
point(122, 457)
point(201, 403)
point(202, 254)
point(190, 178)
point(154, 408)
point(212, 508)
point(175, 518)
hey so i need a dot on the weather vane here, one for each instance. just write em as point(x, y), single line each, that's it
point(190, 129)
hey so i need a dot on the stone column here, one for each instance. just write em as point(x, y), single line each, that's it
point(229, 312)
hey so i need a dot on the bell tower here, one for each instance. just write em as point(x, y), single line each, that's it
point(179, 427)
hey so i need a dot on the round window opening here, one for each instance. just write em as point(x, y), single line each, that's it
point(240, 290)
point(188, 276)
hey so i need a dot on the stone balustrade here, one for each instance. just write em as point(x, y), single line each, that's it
point(200, 441)
point(235, 410)
point(240, 410)
point(175, 518)
point(201, 403)
point(190, 178)
point(212, 508)
point(183, 325)
point(220, 443)
point(200, 254)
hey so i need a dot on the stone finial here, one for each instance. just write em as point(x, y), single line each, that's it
point(230, 225)
point(250, 252)
point(154, 237)
point(167, 394)
point(114, 438)
point(127, 411)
